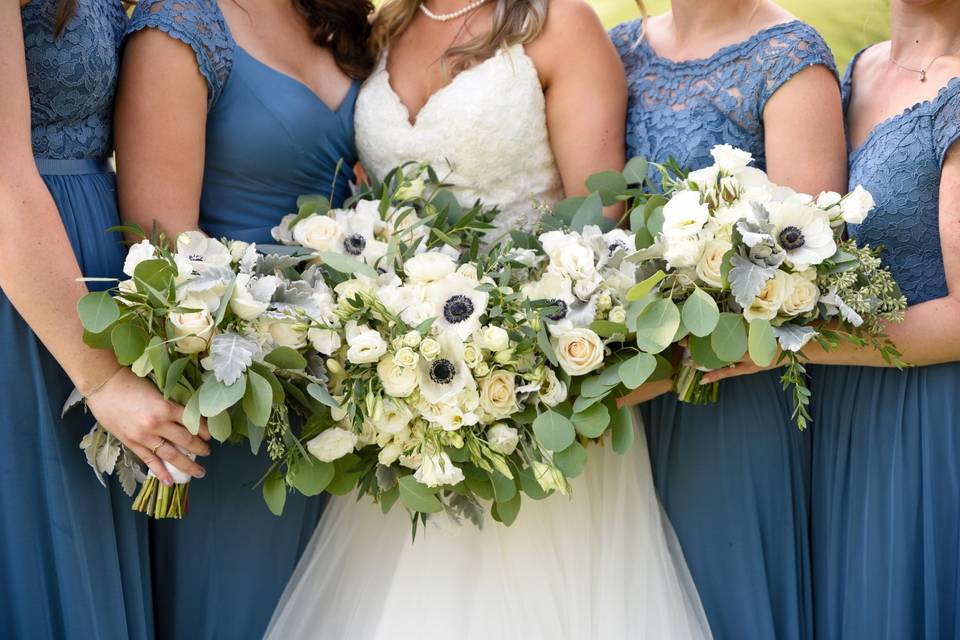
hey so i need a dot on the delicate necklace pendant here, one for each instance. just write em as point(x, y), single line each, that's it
point(923, 75)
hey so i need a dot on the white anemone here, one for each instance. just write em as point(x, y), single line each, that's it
point(457, 304)
point(358, 236)
point(804, 232)
point(202, 252)
point(445, 376)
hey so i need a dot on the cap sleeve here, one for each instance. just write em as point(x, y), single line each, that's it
point(200, 25)
point(946, 120)
point(788, 52)
point(626, 37)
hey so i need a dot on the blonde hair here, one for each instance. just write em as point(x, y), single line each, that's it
point(514, 22)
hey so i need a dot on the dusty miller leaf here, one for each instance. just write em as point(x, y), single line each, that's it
point(836, 304)
point(230, 355)
point(747, 279)
point(792, 337)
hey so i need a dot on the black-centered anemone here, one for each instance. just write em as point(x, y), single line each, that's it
point(354, 244)
point(442, 371)
point(617, 244)
point(791, 238)
point(561, 311)
point(196, 257)
point(457, 309)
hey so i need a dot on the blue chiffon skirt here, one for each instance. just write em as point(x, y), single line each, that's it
point(74, 560)
point(734, 480)
point(886, 503)
point(220, 571)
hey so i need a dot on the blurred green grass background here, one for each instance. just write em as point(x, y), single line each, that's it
point(847, 25)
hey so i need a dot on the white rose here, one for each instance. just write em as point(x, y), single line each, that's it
point(412, 339)
point(332, 444)
point(281, 233)
point(498, 394)
point(325, 341)
point(503, 438)
point(492, 338)
point(390, 454)
point(140, 252)
point(579, 351)
point(397, 381)
point(193, 329)
point(729, 159)
point(472, 354)
point(553, 391)
point(319, 232)
point(438, 470)
point(406, 357)
point(429, 267)
point(803, 297)
point(618, 314)
point(429, 349)
point(857, 205)
point(283, 332)
point(482, 370)
point(365, 347)
point(710, 265)
point(684, 215)
point(771, 298)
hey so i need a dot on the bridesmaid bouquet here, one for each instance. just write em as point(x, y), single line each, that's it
point(220, 329)
point(451, 379)
point(741, 266)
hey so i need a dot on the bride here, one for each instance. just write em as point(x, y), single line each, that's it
point(519, 100)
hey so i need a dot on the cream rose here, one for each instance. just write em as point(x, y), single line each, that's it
point(498, 395)
point(618, 314)
point(318, 232)
point(283, 332)
point(406, 357)
point(397, 381)
point(503, 438)
point(579, 351)
point(492, 338)
point(472, 354)
point(429, 349)
point(774, 293)
point(710, 265)
point(192, 329)
point(332, 444)
point(803, 297)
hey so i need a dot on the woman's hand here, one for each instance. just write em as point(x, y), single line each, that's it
point(745, 367)
point(134, 411)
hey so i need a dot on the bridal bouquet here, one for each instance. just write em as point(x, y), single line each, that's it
point(220, 329)
point(742, 267)
point(453, 377)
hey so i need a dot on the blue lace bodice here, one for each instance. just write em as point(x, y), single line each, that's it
point(73, 78)
point(900, 164)
point(684, 108)
point(269, 138)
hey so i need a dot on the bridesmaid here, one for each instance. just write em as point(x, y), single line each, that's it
point(73, 556)
point(734, 476)
point(226, 113)
point(886, 451)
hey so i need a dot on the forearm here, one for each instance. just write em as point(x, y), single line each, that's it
point(929, 335)
point(39, 275)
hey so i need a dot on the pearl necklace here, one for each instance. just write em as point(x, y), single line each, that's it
point(447, 17)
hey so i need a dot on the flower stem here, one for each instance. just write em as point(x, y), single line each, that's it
point(688, 388)
point(159, 501)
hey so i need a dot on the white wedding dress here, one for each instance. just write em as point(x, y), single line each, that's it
point(603, 564)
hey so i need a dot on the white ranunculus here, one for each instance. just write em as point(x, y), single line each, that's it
point(709, 267)
point(192, 329)
point(803, 297)
point(553, 390)
point(438, 470)
point(492, 338)
point(365, 346)
point(774, 293)
point(498, 394)
point(569, 255)
point(332, 444)
point(319, 232)
point(705, 178)
point(857, 205)
point(804, 232)
point(252, 295)
point(683, 253)
point(731, 160)
point(457, 304)
point(397, 381)
point(282, 331)
point(325, 341)
point(429, 267)
point(140, 252)
point(684, 216)
point(201, 251)
point(579, 351)
point(503, 438)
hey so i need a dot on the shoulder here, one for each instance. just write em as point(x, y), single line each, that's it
point(626, 35)
point(571, 21)
point(793, 44)
point(572, 38)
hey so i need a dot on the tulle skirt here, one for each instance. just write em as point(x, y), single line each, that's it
point(603, 564)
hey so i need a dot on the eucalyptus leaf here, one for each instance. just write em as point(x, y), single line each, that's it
point(346, 264)
point(220, 426)
point(174, 374)
point(700, 313)
point(592, 422)
point(258, 399)
point(656, 325)
point(729, 340)
point(191, 414)
point(637, 370)
point(216, 397)
point(554, 431)
point(762, 343)
point(572, 460)
point(129, 342)
point(310, 476)
point(417, 497)
point(702, 351)
point(98, 311)
point(275, 493)
point(286, 358)
point(589, 213)
point(608, 185)
point(641, 289)
point(504, 488)
point(530, 485)
point(322, 395)
point(623, 430)
point(506, 512)
point(636, 170)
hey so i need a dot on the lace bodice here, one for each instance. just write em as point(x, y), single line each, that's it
point(682, 109)
point(487, 128)
point(72, 78)
point(900, 164)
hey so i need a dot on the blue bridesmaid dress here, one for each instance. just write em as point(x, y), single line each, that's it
point(733, 476)
point(886, 445)
point(74, 560)
point(221, 570)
